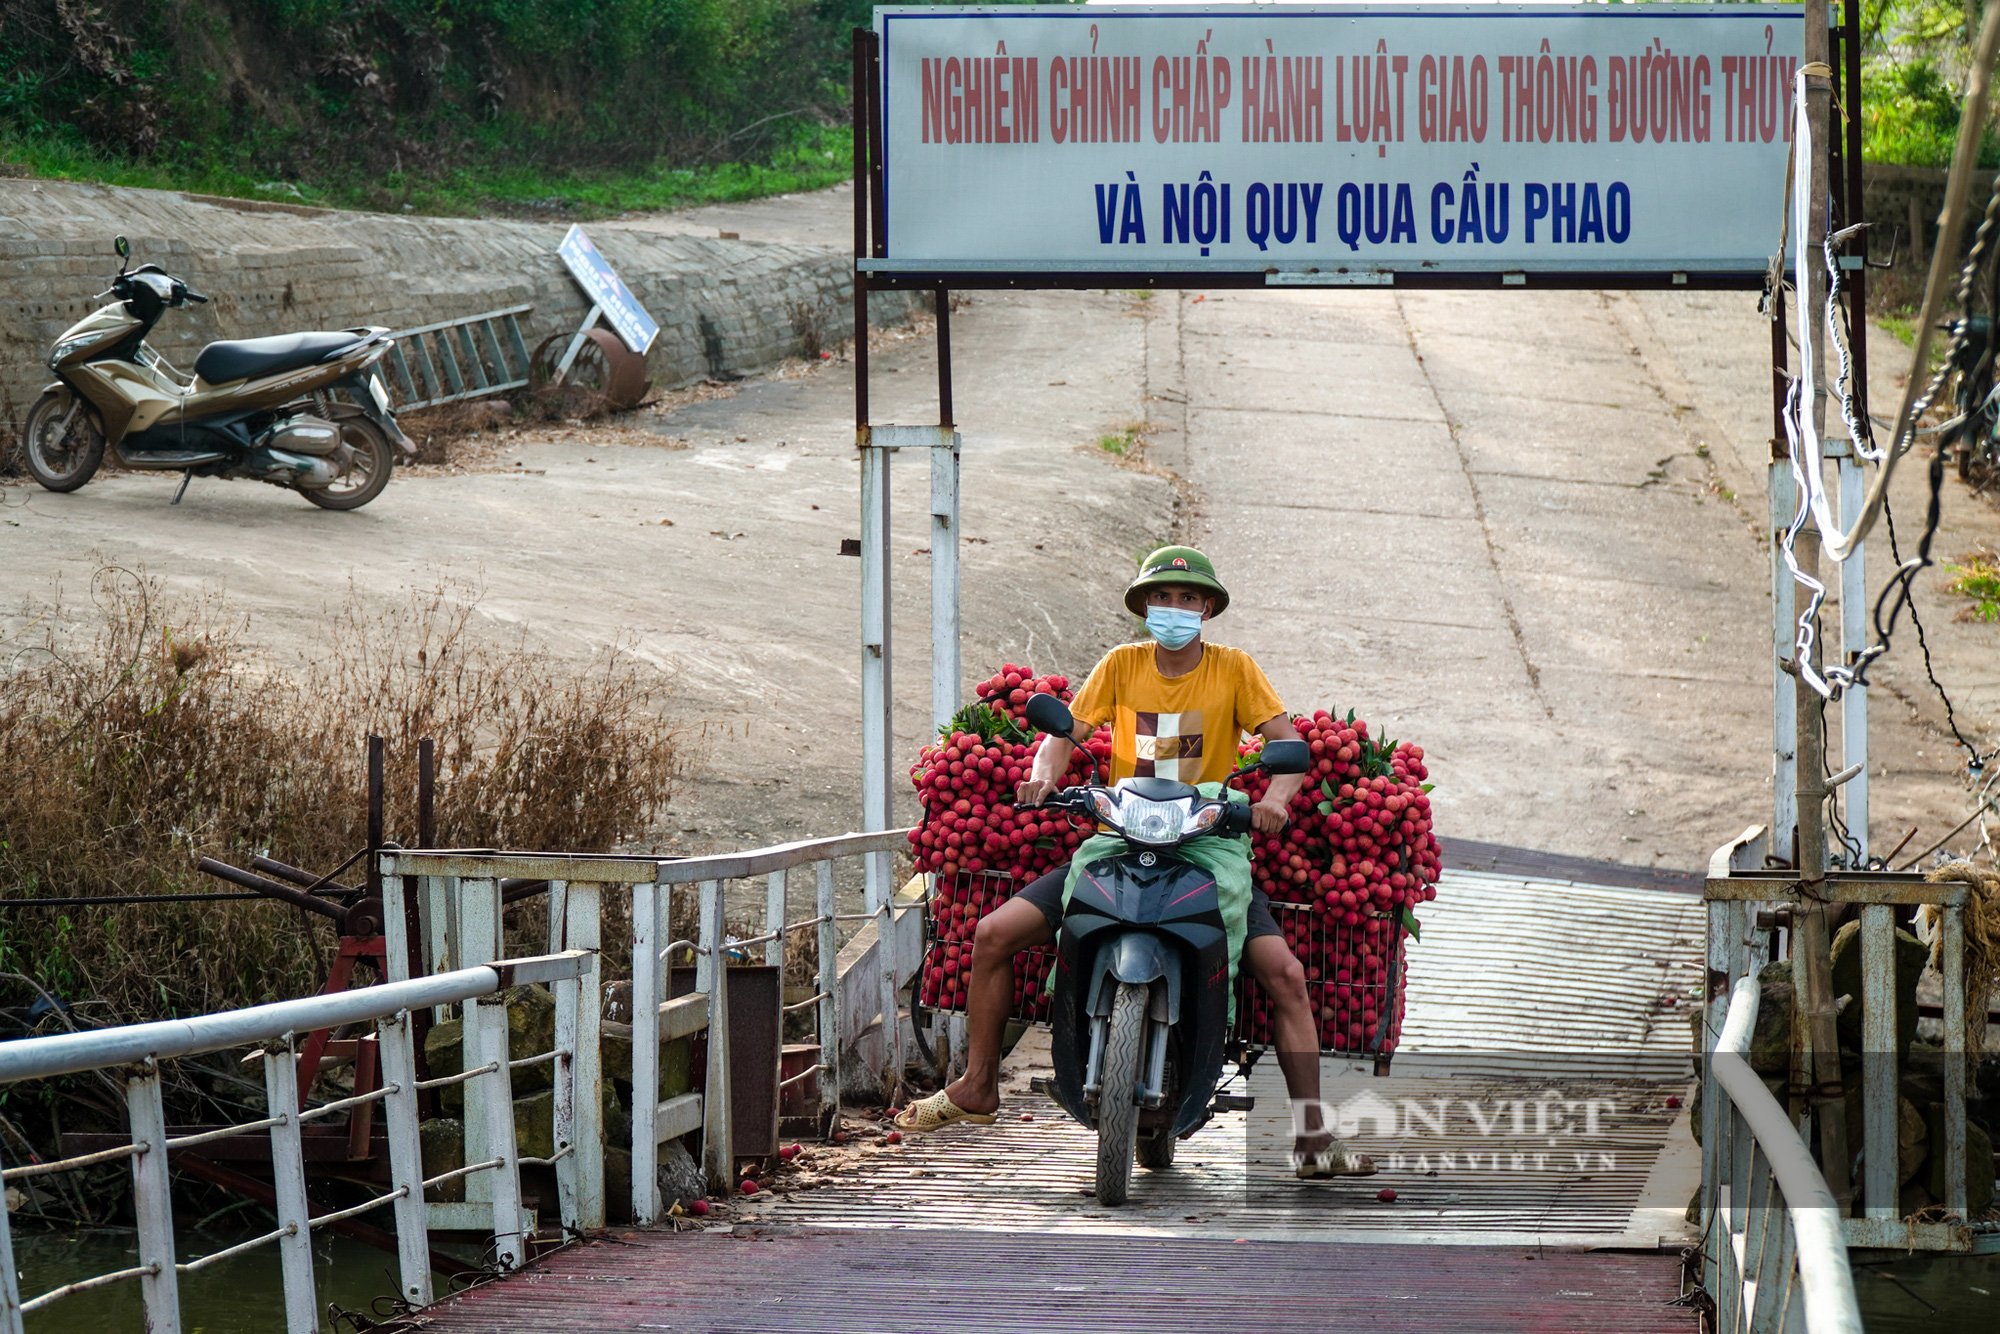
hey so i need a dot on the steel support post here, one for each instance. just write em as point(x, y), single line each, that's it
point(1854, 631)
point(582, 930)
point(486, 1033)
point(10, 1286)
point(1784, 686)
point(1951, 967)
point(406, 1160)
point(707, 933)
point(945, 539)
point(152, 1200)
point(1714, 1107)
point(718, 1155)
point(646, 970)
point(774, 925)
point(288, 1183)
point(1878, 1060)
point(829, 992)
point(877, 690)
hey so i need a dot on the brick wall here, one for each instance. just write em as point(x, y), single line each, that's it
point(273, 268)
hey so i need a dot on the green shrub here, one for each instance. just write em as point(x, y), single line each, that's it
point(1910, 115)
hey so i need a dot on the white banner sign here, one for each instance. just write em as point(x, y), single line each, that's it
point(1354, 140)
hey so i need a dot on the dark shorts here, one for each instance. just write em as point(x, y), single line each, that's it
point(1046, 892)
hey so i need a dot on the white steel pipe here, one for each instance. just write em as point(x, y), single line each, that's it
point(68, 1053)
point(1824, 1275)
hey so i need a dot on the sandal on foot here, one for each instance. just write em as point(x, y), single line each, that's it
point(936, 1112)
point(1332, 1162)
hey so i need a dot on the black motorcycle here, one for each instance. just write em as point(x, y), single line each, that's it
point(1139, 1010)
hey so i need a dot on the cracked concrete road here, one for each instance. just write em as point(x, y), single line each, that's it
point(1525, 530)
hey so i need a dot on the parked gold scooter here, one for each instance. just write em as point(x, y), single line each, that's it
point(261, 407)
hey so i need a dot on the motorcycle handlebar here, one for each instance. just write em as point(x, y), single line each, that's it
point(192, 295)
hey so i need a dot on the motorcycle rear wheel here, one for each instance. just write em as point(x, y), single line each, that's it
point(1156, 1151)
point(372, 459)
point(61, 443)
point(1117, 1102)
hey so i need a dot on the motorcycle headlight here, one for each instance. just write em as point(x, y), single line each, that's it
point(1153, 821)
point(1204, 820)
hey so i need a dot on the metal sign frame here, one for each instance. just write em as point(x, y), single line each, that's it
point(878, 443)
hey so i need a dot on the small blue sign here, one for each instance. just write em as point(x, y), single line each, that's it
point(603, 285)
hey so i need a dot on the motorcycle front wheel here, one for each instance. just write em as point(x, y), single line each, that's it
point(370, 460)
point(60, 441)
point(1117, 1101)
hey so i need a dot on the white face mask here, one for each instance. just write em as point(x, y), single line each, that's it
point(1173, 627)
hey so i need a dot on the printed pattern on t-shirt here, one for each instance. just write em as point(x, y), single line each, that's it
point(1164, 740)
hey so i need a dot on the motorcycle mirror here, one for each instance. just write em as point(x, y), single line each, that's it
point(123, 247)
point(1049, 714)
point(1286, 757)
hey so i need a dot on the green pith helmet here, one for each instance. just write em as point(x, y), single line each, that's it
point(1175, 565)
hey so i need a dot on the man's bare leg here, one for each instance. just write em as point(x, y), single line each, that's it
point(1014, 926)
point(1295, 1035)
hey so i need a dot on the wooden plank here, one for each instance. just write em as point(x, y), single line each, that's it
point(682, 1016)
point(1784, 889)
point(483, 865)
point(676, 1117)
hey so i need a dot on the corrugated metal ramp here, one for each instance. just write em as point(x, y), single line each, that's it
point(1530, 1000)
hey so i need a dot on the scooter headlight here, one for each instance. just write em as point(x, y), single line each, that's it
point(69, 346)
point(1155, 822)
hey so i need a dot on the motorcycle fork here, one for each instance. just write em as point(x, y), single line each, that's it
point(1153, 1092)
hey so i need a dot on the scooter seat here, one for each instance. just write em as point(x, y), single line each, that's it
point(246, 358)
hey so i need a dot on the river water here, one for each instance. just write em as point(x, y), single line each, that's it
point(241, 1295)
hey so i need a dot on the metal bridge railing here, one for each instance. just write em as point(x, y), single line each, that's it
point(1747, 904)
point(136, 1051)
point(459, 901)
point(1774, 1245)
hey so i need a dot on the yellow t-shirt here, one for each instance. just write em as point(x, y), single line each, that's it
point(1186, 728)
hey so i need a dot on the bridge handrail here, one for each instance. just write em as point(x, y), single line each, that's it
point(454, 894)
point(1812, 1214)
point(164, 1039)
point(136, 1050)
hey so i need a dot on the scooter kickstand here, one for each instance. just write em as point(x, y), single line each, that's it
point(187, 475)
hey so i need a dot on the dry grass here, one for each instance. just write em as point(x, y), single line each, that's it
point(133, 749)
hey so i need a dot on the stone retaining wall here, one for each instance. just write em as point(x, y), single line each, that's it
point(270, 268)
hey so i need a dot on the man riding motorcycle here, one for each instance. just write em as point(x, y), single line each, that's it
point(1177, 707)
